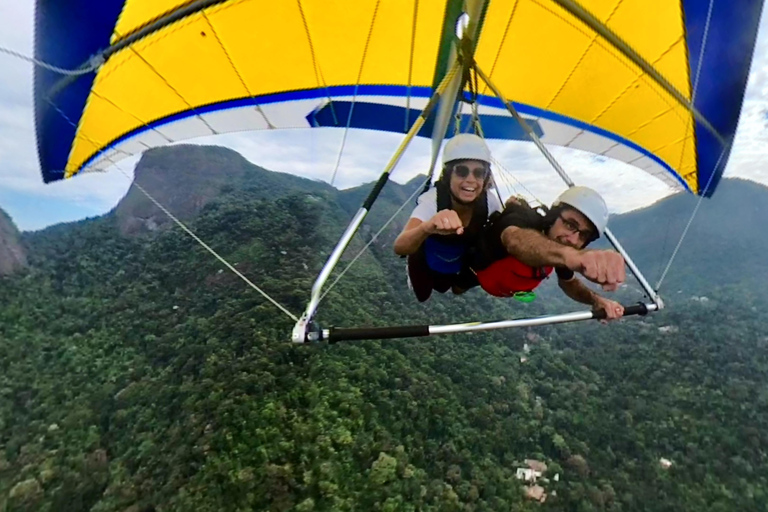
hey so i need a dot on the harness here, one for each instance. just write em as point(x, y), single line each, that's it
point(445, 254)
point(500, 274)
point(507, 276)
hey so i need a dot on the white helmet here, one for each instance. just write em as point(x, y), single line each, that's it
point(466, 146)
point(589, 203)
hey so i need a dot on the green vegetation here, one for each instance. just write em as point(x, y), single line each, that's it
point(137, 375)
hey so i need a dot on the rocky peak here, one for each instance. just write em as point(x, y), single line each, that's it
point(12, 254)
point(183, 179)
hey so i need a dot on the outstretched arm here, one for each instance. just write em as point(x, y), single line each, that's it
point(411, 238)
point(533, 248)
point(579, 292)
point(445, 222)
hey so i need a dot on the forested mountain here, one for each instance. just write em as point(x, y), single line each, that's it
point(12, 254)
point(137, 374)
point(725, 245)
point(184, 178)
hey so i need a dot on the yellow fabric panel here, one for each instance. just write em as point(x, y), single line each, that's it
point(239, 49)
point(531, 66)
point(593, 87)
point(209, 77)
point(389, 51)
point(137, 13)
point(652, 27)
point(554, 62)
point(269, 56)
point(663, 129)
point(670, 66)
point(275, 57)
point(340, 29)
point(542, 57)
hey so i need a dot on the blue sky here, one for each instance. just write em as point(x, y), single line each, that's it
point(313, 153)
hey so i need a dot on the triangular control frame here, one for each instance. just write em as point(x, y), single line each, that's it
point(306, 331)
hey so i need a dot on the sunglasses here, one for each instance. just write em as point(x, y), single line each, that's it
point(573, 226)
point(462, 171)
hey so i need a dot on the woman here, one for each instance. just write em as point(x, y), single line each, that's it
point(448, 219)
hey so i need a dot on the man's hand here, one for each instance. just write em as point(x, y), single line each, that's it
point(613, 309)
point(445, 222)
point(605, 268)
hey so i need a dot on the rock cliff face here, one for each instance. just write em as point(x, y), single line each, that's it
point(181, 178)
point(13, 257)
point(185, 178)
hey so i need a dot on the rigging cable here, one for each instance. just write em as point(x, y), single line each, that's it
point(354, 94)
point(91, 65)
point(714, 169)
point(207, 247)
point(416, 192)
point(144, 191)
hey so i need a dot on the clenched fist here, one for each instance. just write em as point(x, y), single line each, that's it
point(605, 268)
point(445, 222)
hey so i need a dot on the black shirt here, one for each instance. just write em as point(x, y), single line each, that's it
point(490, 248)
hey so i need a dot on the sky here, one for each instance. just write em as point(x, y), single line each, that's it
point(314, 153)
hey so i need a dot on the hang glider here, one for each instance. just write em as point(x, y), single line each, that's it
point(653, 83)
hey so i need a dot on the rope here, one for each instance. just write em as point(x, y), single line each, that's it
point(722, 153)
point(690, 221)
point(416, 192)
point(354, 95)
point(92, 64)
point(410, 66)
point(208, 248)
point(175, 219)
point(505, 174)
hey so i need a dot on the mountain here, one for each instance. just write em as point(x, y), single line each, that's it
point(138, 374)
point(12, 254)
point(724, 246)
point(184, 178)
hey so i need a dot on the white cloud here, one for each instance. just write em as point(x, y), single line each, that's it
point(313, 153)
point(749, 156)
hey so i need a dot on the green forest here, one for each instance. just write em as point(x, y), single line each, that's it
point(137, 374)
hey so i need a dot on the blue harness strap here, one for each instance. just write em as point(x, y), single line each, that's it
point(445, 258)
point(445, 254)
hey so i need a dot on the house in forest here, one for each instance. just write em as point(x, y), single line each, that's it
point(534, 470)
point(527, 475)
point(530, 475)
point(536, 492)
point(536, 465)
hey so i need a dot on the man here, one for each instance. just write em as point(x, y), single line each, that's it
point(520, 248)
point(448, 219)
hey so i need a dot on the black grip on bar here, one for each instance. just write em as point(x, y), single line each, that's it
point(375, 192)
point(636, 309)
point(377, 333)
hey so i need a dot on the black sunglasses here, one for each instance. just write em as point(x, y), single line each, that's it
point(462, 171)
